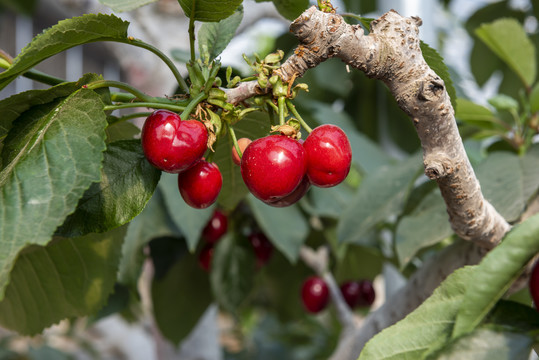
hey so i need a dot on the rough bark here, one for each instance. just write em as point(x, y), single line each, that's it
point(391, 53)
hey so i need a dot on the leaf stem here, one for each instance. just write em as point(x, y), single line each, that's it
point(139, 43)
point(192, 104)
point(281, 105)
point(292, 108)
point(152, 105)
point(129, 117)
point(120, 85)
point(35, 74)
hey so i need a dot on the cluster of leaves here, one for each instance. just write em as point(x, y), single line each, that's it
point(79, 204)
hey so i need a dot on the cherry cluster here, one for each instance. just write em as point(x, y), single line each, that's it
point(177, 146)
point(315, 294)
point(279, 170)
point(217, 227)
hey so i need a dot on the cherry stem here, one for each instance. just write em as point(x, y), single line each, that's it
point(232, 134)
point(152, 105)
point(192, 104)
point(192, 34)
point(281, 104)
point(292, 109)
point(120, 85)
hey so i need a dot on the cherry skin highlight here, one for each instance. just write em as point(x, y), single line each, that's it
point(171, 144)
point(242, 143)
point(216, 227)
point(200, 184)
point(315, 294)
point(329, 156)
point(272, 167)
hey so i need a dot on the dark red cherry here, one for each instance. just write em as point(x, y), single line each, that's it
point(534, 284)
point(367, 293)
point(205, 256)
point(216, 227)
point(170, 144)
point(294, 196)
point(315, 294)
point(351, 292)
point(200, 184)
point(329, 155)
point(262, 247)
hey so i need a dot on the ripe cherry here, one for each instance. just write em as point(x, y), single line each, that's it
point(351, 292)
point(315, 294)
point(242, 143)
point(216, 227)
point(262, 247)
point(170, 144)
point(294, 196)
point(205, 256)
point(200, 184)
point(367, 293)
point(272, 167)
point(534, 285)
point(329, 155)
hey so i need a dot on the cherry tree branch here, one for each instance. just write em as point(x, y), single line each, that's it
point(391, 53)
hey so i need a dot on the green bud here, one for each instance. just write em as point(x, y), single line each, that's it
point(274, 57)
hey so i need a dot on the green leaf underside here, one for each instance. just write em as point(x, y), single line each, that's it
point(496, 273)
point(62, 36)
point(426, 225)
point(232, 270)
point(190, 221)
point(128, 181)
point(209, 10)
point(290, 9)
point(430, 324)
point(12, 107)
point(385, 191)
point(214, 37)
point(58, 156)
point(286, 227)
point(437, 64)
point(125, 5)
point(180, 298)
point(152, 222)
point(507, 39)
point(66, 278)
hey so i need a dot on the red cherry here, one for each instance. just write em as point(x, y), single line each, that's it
point(351, 292)
point(205, 256)
point(262, 247)
point(315, 294)
point(328, 155)
point(367, 293)
point(242, 143)
point(534, 284)
point(294, 196)
point(200, 184)
point(170, 144)
point(272, 167)
point(216, 227)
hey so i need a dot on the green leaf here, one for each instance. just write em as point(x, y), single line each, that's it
point(125, 5)
point(477, 115)
point(213, 38)
point(232, 273)
point(180, 298)
point(12, 107)
point(426, 225)
point(52, 159)
point(503, 102)
point(430, 324)
point(496, 273)
point(285, 227)
point(190, 221)
point(62, 36)
point(253, 126)
point(436, 63)
point(66, 278)
point(380, 195)
point(487, 344)
point(327, 202)
point(534, 98)
point(209, 10)
point(513, 316)
point(128, 181)
point(121, 131)
point(289, 9)
point(154, 221)
point(507, 39)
